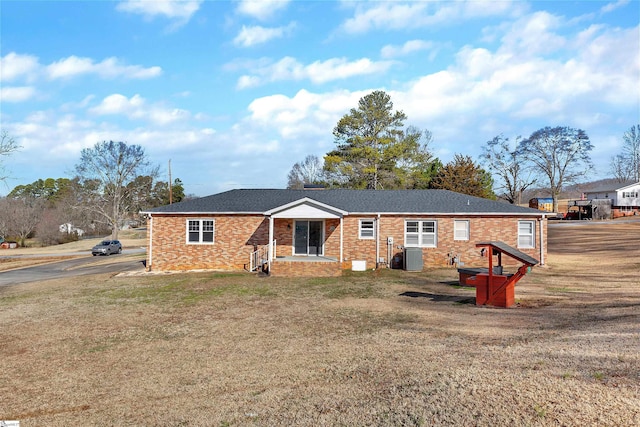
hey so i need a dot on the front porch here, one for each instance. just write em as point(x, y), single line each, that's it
point(305, 238)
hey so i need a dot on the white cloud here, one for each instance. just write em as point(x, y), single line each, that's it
point(16, 94)
point(534, 35)
point(136, 108)
point(109, 68)
point(610, 7)
point(411, 46)
point(254, 35)
point(566, 84)
point(302, 116)
point(402, 15)
point(261, 9)
point(14, 66)
point(179, 10)
point(318, 72)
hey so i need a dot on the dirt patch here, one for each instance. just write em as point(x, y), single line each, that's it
point(394, 348)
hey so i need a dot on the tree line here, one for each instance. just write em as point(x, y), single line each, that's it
point(376, 150)
point(113, 182)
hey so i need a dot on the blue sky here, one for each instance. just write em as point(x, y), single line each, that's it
point(235, 92)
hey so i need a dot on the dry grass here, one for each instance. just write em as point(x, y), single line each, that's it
point(393, 348)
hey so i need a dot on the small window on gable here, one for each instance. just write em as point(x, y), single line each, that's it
point(200, 231)
point(526, 234)
point(461, 230)
point(366, 229)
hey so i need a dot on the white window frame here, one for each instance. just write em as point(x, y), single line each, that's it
point(421, 236)
point(530, 236)
point(202, 233)
point(461, 234)
point(369, 230)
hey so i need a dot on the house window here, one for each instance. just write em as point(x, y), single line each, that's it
point(629, 194)
point(420, 234)
point(366, 230)
point(200, 231)
point(526, 234)
point(460, 230)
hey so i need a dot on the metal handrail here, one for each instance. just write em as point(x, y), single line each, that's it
point(262, 255)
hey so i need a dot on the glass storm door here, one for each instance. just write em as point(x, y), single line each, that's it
point(308, 238)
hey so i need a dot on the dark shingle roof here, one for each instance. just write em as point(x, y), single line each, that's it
point(352, 201)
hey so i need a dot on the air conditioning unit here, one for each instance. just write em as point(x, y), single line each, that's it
point(412, 259)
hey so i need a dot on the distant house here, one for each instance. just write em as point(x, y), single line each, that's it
point(322, 232)
point(614, 200)
point(70, 229)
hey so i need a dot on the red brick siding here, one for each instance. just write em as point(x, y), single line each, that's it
point(234, 240)
point(501, 228)
point(236, 237)
point(355, 248)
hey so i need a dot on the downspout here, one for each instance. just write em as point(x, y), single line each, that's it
point(377, 241)
point(542, 239)
point(270, 252)
point(150, 243)
point(341, 241)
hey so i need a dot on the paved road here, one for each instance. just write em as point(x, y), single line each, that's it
point(69, 268)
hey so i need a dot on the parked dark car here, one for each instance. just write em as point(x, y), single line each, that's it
point(107, 247)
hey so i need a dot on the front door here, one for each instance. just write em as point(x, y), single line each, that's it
point(308, 238)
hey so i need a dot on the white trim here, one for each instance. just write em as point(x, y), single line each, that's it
point(467, 236)
point(532, 234)
point(341, 240)
point(377, 241)
point(270, 255)
point(338, 212)
point(200, 231)
point(470, 214)
point(421, 234)
point(373, 228)
point(542, 241)
point(150, 242)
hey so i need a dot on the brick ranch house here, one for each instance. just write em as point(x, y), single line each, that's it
point(322, 232)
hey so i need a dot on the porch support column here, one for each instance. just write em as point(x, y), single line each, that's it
point(341, 241)
point(270, 252)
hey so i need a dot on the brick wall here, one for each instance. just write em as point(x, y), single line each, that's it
point(502, 228)
point(305, 269)
point(237, 236)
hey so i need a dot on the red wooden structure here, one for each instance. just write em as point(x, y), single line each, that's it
point(493, 287)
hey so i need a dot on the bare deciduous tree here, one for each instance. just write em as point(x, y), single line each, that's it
point(561, 154)
point(8, 145)
point(23, 215)
point(504, 161)
point(105, 174)
point(309, 171)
